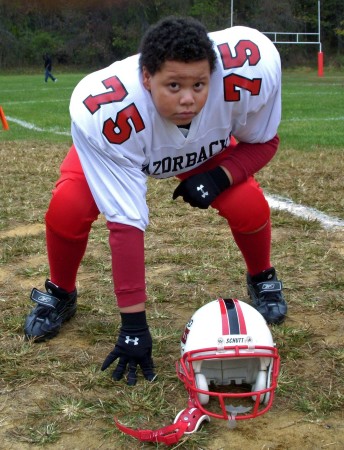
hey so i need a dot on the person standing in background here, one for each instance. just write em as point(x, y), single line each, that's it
point(48, 68)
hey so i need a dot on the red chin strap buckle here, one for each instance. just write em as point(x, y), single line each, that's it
point(187, 421)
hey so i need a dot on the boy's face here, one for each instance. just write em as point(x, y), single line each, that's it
point(179, 90)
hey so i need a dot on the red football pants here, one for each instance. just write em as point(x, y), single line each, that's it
point(72, 211)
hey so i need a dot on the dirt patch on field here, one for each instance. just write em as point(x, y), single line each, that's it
point(281, 428)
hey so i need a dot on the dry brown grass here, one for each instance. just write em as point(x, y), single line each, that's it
point(54, 395)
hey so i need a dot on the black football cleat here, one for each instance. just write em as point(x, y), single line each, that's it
point(52, 309)
point(265, 291)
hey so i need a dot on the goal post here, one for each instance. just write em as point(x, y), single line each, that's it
point(299, 38)
point(296, 38)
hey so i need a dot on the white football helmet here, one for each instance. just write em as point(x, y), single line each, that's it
point(228, 355)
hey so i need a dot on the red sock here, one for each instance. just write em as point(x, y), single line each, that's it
point(255, 249)
point(64, 259)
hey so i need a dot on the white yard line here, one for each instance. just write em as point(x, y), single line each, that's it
point(314, 119)
point(31, 126)
point(275, 201)
point(305, 212)
point(25, 102)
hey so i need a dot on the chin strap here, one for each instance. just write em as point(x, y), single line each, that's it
point(168, 435)
point(187, 421)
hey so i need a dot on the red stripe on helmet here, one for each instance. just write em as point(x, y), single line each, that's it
point(224, 317)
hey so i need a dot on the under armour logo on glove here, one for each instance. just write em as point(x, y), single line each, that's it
point(135, 341)
point(133, 349)
point(201, 190)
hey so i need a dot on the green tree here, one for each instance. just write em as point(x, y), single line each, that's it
point(90, 33)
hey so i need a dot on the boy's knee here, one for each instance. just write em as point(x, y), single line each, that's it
point(71, 211)
point(244, 206)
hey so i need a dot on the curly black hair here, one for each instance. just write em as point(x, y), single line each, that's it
point(175, 39)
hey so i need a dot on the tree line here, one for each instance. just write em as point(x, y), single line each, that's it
point(93, 33)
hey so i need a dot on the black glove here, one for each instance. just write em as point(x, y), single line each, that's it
point(202, 189)
point(133, 348)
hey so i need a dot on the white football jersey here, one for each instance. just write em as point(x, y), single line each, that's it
point(121, 138)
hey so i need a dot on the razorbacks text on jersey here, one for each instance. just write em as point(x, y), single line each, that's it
point(121, 138)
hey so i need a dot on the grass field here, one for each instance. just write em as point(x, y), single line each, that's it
point(53, 395)
point(312, 108)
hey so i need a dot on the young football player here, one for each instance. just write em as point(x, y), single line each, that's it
point(172, 110)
